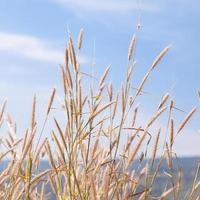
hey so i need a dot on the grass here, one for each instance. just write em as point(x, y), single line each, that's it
point(91, 153)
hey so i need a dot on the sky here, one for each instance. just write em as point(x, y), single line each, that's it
point(33, 36)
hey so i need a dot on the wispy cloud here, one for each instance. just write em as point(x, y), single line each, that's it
point(29, 46)
point(120, 6)
point(32, 47)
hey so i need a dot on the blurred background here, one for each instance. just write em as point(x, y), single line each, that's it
point(33, 36)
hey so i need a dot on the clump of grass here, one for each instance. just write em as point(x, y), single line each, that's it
point(91, 155)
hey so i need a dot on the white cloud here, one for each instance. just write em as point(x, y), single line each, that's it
point(120, 6)
point(29, 46)
point(32, 47)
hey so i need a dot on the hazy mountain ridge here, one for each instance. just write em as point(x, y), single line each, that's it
point(188, 165)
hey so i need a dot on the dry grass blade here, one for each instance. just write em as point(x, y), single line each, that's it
point(104, 76)
point(93, 188)
point(166, 193)
point(115, 106)
point(196, 187)
point(130, 71)
point(130, 140)
point(131, 47)
point(51, 101)
point(6, 153)
point(155, 148)
point(142, 83)
point(169, 157)
point(64, 80)
point(37, 178)
point(61, 134)
point(28, 145)
point(156, 171)
point(37, 154)
point(80, 39)
point(72, 54)
point(195, 180)
point(159, 57)
point(53, 184)
point(198, 93)
point(187, 118)
point(156, 115)
point(110, 91)
point(33, 122)
point(134, 117)
point(123, 104)
point(163, 100)
point(2, 110)
point(100, 110)
point(135, 150)
point(68, 77)
point(66, 57)
point(171, 133)
point(49, 154)
point(59, 147)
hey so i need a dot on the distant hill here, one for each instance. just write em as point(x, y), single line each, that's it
point(188, 165)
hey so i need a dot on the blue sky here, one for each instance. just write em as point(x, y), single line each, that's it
point(33, 36)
